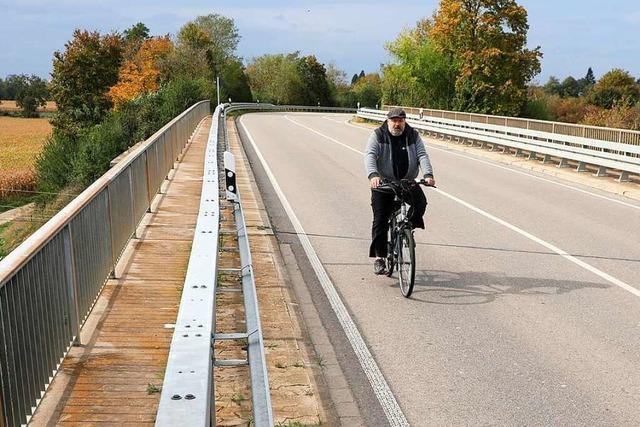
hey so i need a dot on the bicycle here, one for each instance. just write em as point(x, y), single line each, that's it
point(401, 253)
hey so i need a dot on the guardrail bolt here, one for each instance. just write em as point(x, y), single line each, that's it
point(176, 397)
point(189, 397)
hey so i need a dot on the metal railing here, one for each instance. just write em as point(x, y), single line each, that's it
point(623, 136)
point(249, 107)
point(601, 153)
point(49, 284)
point(256, 358)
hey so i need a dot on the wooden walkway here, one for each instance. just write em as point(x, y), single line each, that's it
point(116, 377)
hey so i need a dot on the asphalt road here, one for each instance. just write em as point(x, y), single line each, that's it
point(527, 302)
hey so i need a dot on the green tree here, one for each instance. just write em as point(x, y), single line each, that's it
point(553, 86)
point(614, 87)
point(3, 89)
point(82, 75)
point(289, 79)
point(214, 36)
point(487, 39)
point(339, 87)
point(31, 94)
point(586, 83)
point(368, 90)
point(590, 78)
point(235, 83)
point(136, 33)
point(275, 78)
point(315, 88)
point(422, 74)
point(570, 87)
point(133, 37)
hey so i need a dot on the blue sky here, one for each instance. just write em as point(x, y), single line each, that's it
point(573, 34)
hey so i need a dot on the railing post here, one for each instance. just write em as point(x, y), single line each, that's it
point(72, 282)
point(112, 275)
point(133, 211)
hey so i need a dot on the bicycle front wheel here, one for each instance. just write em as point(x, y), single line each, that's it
point(406, 262)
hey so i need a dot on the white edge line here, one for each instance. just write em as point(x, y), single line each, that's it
point(451, 151)
point(380, 387)
point(526, 234)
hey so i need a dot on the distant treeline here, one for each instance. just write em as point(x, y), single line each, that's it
point(29, 92)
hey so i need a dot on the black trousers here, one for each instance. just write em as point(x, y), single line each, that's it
point(382, 205)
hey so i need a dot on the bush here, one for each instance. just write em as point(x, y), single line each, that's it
point(87, 156)
point(537, 109)
point(178, 95)
point(622, 115)
point(568, 110)
point(54, 164)
point(96, 148)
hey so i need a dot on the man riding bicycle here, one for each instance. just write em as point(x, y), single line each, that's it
point(394, 151)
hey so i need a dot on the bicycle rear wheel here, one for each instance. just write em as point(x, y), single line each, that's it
point(406, 262)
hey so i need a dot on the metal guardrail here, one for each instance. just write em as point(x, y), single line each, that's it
point(188, 388)
point(623, 136)
point(256, 358)
point(247, 107)
point(604, 154)
point(49, 284)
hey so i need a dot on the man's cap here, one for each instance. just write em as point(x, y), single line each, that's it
point(396, 113)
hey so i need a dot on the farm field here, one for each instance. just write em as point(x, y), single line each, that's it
point(10, 106)
point(20, 142)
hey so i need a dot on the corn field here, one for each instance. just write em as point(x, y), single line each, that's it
point(21, 140)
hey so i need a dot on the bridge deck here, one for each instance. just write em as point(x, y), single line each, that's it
point(116, 377)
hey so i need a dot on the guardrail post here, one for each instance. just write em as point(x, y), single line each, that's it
point(72, 284)
point(624, 177)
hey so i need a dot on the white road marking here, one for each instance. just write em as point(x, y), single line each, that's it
point(450, 151)
point(380, 387)
point(322, 135)
point(522, 232)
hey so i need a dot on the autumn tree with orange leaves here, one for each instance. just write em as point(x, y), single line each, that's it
point(488, 39)
point(140, 74)
point(471, 55)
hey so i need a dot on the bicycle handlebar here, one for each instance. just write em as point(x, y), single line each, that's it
point(385, 183)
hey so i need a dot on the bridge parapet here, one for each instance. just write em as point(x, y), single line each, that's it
point(49, 284)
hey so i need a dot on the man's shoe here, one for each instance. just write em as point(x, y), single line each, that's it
point(379, 266)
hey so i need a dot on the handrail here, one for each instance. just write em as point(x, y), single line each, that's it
point(625, 136)
point(49, 284)
point(20, 255)
point(604, 154)
point(247, 106)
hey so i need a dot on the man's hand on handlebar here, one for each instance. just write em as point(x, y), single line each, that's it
point(429, 181)
point(375, 181)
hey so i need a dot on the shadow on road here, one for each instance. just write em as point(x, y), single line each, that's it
point(468, 288)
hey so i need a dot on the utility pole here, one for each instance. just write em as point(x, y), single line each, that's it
point(218, 88)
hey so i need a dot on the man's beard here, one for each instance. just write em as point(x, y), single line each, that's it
point(395, 131)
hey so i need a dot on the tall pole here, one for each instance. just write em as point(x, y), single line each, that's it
point(218, 88)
